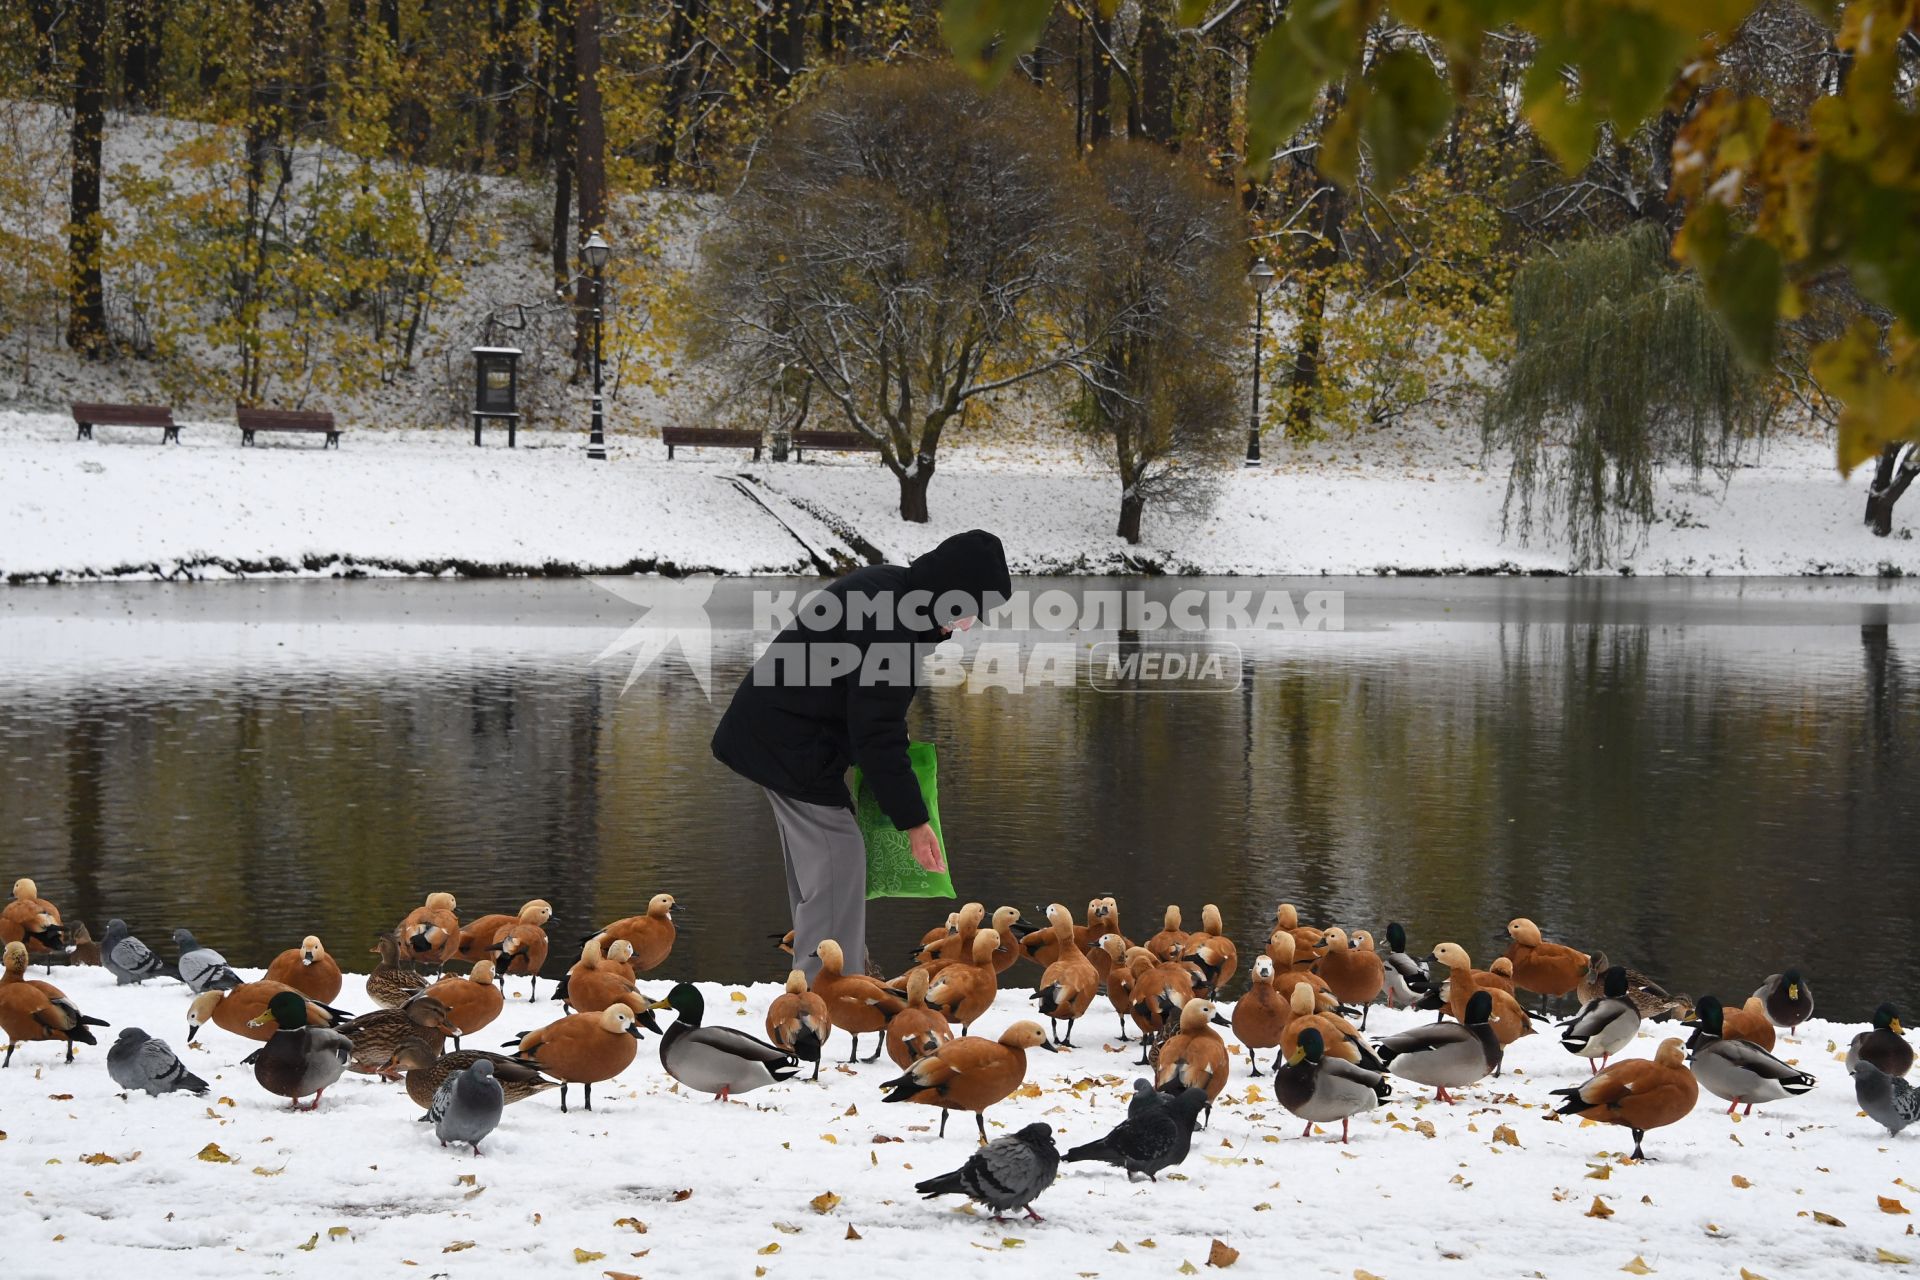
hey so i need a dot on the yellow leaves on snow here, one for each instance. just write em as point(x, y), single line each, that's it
point(824, 1202)
point(212, 1154)
point(1222, 1255)
point(1599, 1209)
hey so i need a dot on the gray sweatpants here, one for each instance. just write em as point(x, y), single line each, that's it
point(826, 860)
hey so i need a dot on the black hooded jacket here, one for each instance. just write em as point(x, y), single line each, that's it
point(797, 735)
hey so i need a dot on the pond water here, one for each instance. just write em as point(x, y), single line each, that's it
point(1709, 779)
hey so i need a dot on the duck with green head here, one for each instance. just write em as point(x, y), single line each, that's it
point(716, 1060)
point(299, 1059)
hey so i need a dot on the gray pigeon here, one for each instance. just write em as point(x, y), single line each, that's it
point(467, 1105)
point(1007, 1173)
point(127, 958)
point(202, 968)
point(138, 1061)
point(1890, 1100)
point(1156, 1135)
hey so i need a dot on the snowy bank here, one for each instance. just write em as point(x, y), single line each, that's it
point(428, 502)
point(658, 1182)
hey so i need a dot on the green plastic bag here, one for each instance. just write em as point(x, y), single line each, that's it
point(891, 870)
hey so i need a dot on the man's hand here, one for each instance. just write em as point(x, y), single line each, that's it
point(926, 847)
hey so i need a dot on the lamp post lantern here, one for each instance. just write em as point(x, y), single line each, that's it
point(596, 251)
point(1261, 278)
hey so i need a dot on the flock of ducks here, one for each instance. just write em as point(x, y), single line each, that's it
point(1305, 988)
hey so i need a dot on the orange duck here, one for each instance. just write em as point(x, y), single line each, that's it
point(1509, 1020)
point(1286, 974)
point(1355, 976)
point(472, 1002)
point(1158, 991)
point(1639, 1094)
point(652, 935)
point(1260, 1016)
point(585, 1048)
point(797, 1022)
point(1171, 941)
point(31, 1010)
point(1119, 979)
point(1068, 986)
point(477, 939)
point(1212, 951)
point(308, 969)
point(1195, 1057)
point(1306, 940)
point(965, 991)
point(31, 920)
point(521, 946)
point(916, 1030)
point(1548, 969)
point(430, 934)
point(235, 1011)
point(856, 1004)
point(970, 1074)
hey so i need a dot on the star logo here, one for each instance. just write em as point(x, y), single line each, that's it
point(673, 613)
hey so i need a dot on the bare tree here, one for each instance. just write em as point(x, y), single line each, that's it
point(1166, 294)
point(904, 243)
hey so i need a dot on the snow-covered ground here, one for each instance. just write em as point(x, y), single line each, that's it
point(424, 501)
point(660, 1182)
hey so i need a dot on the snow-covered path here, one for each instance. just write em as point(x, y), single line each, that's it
point(420, 501)
point(657, 1182)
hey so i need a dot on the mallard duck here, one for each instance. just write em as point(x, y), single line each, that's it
point(1655, 1002)
point(308, 969)
point(521, 946)
point(797, 1020)
point(652, 935)
point(1640, 1093)
point(430, 934)
point(1007, 1173)
point(238, 1011)
point(965, 991)
point(426, 1073)
point(717, 1060)
point(1195, 1057)
point(377, 1036)
point(1548, 969)
point(390, 985)
point(1355, 976)
point(31, 1010)
point(1885, 1046)
point(1735, 1070)
point(1166, 944)
point(478, 936)
point(31, 920)
point(1260, 1016)
point(1068, 986)
point(1510, 1020)
point(1447, 1055)
point(1309, 1007)
point(916, 1030)
point(1406, 980)
point(1787, 999)
point(1321, 1090)
point(584, 1048)
point(1157, 1133)
point(298, 1059)
point(1605, 1026)
point(856, 1004)
point(970, 1074)
point(472, 1002)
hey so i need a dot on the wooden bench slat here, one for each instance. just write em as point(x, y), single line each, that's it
point(833, 441)
point(710, 437)
point(253, 418)
point(88, 414)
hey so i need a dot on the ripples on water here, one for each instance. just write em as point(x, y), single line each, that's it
point(1708, 780)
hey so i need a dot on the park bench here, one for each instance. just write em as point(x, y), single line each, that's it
point(252, 420)
point(710, 438)
point(834, 441)
point(88, 416)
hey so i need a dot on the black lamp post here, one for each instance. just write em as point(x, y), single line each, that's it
point(1261, 278)
point(596, 251)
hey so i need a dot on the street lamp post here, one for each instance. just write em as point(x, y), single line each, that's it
point(1261, 278)
point(596, 251)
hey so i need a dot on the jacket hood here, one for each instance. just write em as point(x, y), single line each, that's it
point(972, 564)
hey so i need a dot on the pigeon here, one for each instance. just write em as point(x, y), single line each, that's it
point(1891, 1101)
point(1156, 1134)
point(127, 958)
point(138, 1061)
point(467, 1105)
point(1007, 1173)
point(202, 968)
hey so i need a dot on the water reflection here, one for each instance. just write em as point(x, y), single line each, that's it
point(1710, 784)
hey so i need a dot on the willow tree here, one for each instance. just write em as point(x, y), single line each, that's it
point(1620, 368)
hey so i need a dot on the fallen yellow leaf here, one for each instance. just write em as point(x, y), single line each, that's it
point(787, 1228)
point(458, 1246)
point(335, 1233)
point(1504, 1133)
point(771, 1248)
point(101, 1157)
point(1599, 1209)
point(1359, 1274)
point(852, 1234)
point(1638, 1267)
point(1011, 1242)
point(1741, 1182)
point(586, 1255)
point(1888, 1255)
point(312, 1240)
point(1188, 1269)
point(639, 1227)
point(212, 1154)
point(738, 997)
point(1222, 1255)
point(824, 1202)
point(1827, 1218)
point(1887, 1204)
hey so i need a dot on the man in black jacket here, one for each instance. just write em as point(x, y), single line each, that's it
point(833, 691)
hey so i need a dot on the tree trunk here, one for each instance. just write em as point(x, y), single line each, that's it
point(561, 140)
point(140, 69)
point(913, 490)
point(87, 315)
point(317, 77)
point(680, 59)
point(1155, 68)
point(1305, 378)
point(508, 76)
point(1132, 507)
point(785, 41)
point(1891, 480)
point(46, 49)
point(590, 157)
point(1100, 95)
